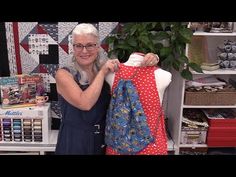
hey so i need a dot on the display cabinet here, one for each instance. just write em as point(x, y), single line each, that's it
point(205, 47)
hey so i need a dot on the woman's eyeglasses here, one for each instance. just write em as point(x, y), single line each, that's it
point(89, 47)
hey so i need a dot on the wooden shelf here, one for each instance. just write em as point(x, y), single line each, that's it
point(214, 34)
point(209, 106)
point(218, 71)
point(192, 145)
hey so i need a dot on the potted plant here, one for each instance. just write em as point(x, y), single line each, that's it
point(167, 39)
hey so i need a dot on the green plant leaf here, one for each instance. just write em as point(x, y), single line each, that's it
point(132, 42)
point(110, 39)
point(160, 35)
point(133, 29)
point(165, 51)
point(167, 62)
point(186, 74)
point(176, 64)
point(186, 34)
point(124, 47)
point(164, 25)
point(195, 67)
point(183, 59)
point(167, 39)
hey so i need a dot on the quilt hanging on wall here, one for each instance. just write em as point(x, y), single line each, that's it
point(37, 47)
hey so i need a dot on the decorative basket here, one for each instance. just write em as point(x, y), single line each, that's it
point(210, 98)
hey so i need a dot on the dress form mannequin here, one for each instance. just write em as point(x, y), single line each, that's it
point(162, 77)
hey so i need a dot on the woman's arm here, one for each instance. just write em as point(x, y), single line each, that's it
point(71, 92)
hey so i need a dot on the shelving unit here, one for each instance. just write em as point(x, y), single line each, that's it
point(34, 137)
point(176, 91)
point(34, 149)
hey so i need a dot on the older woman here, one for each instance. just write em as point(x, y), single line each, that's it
point(84, 95)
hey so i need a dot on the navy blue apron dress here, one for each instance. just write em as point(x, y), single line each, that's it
point(82, 132)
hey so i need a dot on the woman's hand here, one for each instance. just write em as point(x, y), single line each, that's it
point(110, 65)
point(150, 59)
